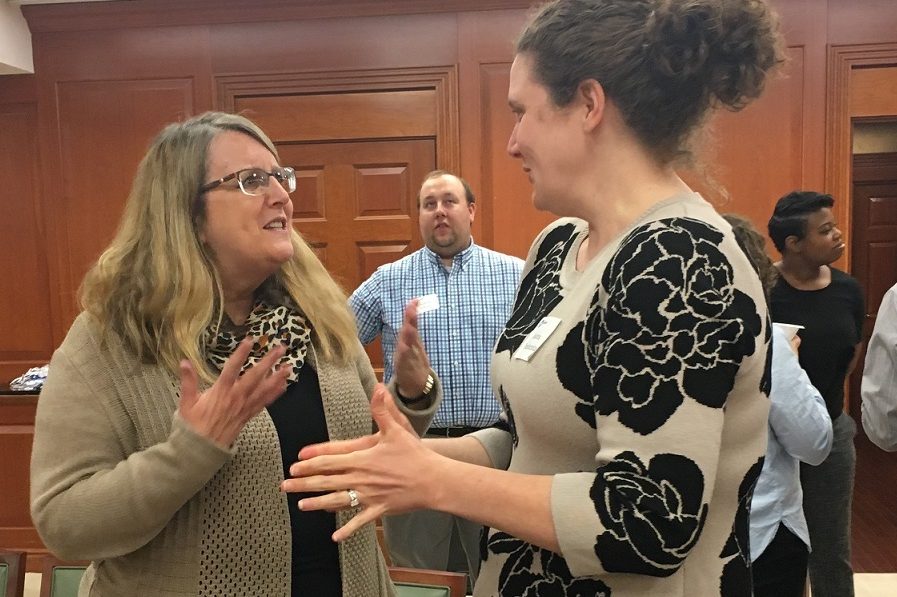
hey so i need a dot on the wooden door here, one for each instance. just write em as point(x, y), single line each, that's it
point(873, 244)
point(356, 204)
point(361, 144)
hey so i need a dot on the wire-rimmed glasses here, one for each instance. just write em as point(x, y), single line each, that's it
point(254, 181)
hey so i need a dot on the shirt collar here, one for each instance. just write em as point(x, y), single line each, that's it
point(460, 259)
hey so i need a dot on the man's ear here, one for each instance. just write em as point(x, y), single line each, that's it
point(594, 101)
point(472, 210)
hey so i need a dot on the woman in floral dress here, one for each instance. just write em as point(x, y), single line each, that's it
point(633, 372)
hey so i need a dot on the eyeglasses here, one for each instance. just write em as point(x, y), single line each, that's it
point(254, 181)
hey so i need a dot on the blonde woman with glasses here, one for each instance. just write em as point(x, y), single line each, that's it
point(212, 346)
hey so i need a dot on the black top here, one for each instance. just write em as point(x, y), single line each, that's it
point(833, 323)
point(298, 416)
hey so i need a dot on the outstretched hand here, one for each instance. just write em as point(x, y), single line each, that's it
point(412, 366)
point(390, 472)
point(220, 412)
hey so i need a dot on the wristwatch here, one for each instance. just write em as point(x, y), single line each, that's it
point(428, 387)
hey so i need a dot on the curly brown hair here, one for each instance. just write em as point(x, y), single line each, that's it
point(664, 63)
point(754, 246)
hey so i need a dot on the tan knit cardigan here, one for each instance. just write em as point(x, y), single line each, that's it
point(118, 478)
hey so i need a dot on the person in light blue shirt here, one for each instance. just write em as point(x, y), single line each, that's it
point(800, 430)
point(466, 292)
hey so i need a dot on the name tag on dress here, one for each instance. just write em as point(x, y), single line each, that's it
point(537, 338)
point(428, 302)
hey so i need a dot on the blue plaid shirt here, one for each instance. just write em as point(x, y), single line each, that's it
point(475, 301)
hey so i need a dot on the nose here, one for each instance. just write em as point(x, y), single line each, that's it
point(512, 147)
point(275, 194)
point(838, 234)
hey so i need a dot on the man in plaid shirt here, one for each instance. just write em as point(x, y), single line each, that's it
point(467, 294)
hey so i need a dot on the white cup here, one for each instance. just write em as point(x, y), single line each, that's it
point(789, 328)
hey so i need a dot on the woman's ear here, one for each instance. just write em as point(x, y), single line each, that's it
point(594, 101)
point(792, 243)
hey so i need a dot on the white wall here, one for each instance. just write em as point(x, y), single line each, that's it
point(15, 41)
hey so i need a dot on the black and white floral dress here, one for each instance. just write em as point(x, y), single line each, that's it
point(647, 403)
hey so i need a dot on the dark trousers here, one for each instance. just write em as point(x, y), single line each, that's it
point(781, 570)
point(828, 490)
point(435, 540)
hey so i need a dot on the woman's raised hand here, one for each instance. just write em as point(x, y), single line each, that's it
point(220, 412)
point(389, 472)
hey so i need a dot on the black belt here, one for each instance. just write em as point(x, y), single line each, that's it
point(451, 431)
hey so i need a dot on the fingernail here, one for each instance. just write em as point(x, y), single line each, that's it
point(299, 504)
point(294, 470)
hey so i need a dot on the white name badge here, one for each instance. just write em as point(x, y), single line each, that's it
point(537, 338)
point(428, 302)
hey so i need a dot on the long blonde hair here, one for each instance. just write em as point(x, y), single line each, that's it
point(156, 285)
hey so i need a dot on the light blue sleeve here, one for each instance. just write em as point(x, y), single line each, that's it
point(797, 413)
point(879, 389)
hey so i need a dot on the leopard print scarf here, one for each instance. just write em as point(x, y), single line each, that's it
point(268, 324)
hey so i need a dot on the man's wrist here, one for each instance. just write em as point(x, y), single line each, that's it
point(424, 395)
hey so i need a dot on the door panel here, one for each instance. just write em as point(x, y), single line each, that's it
point(356, 204)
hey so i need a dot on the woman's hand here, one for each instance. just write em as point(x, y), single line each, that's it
point(220, 412)
point(390, 472)
point(411, 363)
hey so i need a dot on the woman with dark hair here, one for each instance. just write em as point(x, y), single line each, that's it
point(829, 304)
point(212, 347)
point(633, 370)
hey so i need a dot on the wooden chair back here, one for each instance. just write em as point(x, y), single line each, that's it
point(12, 573)
point(61, 578)
point(415, 582)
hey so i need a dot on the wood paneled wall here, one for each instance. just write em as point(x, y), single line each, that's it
point(109, 75)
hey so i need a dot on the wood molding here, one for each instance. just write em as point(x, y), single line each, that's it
point(147, 13)
point(874, 167)
point(442, 80)
point(838, 149)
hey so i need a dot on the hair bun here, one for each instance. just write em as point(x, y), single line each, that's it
point(677, 41)
point(725, 47)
